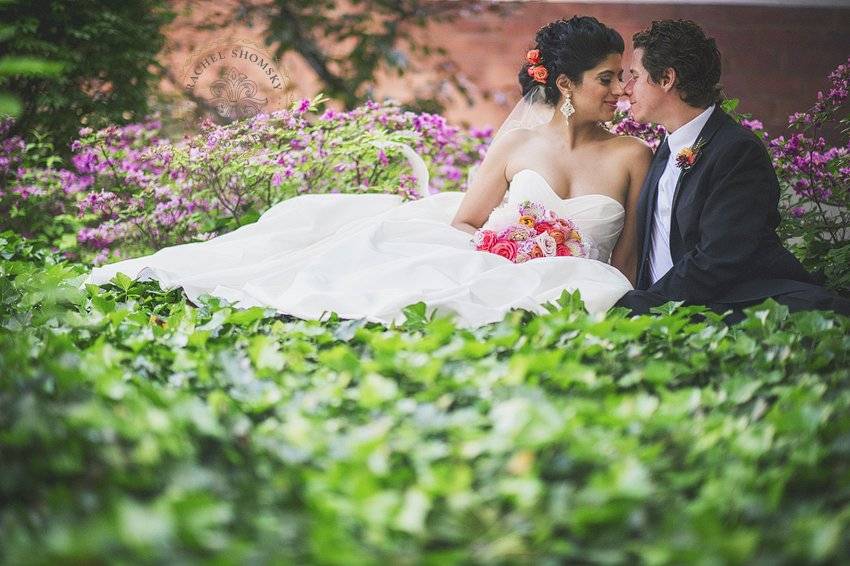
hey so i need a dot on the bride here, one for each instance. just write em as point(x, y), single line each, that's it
point(370, 255)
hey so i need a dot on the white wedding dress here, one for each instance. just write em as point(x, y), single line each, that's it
point(370, 255)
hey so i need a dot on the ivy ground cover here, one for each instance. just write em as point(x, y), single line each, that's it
point(137, 428)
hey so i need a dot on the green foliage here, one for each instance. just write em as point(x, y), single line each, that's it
point(10, 105)
point(86, 62)
point(347, 43)
point(135, 427)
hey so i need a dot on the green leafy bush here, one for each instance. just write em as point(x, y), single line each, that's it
point(103, 53)
point(135, 427)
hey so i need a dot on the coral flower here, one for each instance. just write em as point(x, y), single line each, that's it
point(558, 236)
point(686, 158)
point(526, 220)
point(533, 56)
point(484, 240)
point(540, 74)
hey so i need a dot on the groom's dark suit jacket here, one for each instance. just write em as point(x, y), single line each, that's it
point(723, 224)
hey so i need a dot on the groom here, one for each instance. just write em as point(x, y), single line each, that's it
point(707, 215)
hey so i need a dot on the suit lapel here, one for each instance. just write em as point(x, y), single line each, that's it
point(718, 118)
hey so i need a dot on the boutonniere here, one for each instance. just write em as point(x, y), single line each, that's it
point(687, 156)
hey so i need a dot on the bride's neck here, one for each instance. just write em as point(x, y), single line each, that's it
point(575, 132)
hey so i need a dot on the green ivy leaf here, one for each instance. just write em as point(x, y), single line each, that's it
point(122, 282)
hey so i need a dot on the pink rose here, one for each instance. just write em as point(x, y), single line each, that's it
point(547, 244)
point(505, 248)
point(565, 225)
point(484, 240)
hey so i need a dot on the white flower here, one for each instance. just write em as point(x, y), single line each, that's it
point(576, 249)
point(502, 217)
point(547, 244)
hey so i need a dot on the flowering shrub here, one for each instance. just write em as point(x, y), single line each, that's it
point(624, 125)
point(815, 178)
point(33, 197)
point(134, 192)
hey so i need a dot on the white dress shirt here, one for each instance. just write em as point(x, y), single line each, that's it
point(660, 260)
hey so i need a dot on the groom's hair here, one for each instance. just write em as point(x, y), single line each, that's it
point(683, 45)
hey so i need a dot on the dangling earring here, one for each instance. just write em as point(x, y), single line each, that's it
point(567, 108)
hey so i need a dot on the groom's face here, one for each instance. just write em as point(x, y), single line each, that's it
point(644, 95)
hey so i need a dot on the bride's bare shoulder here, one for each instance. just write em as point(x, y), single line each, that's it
point(512, 139)
point(508, 145)
point(631, 148)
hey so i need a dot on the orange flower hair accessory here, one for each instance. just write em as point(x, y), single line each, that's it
point(535, 70)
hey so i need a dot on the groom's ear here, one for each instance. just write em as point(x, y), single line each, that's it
point(668, 79)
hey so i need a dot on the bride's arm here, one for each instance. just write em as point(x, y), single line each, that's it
point(624, 256)
point(488, 185)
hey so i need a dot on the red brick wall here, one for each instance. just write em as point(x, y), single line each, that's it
point(775, 59)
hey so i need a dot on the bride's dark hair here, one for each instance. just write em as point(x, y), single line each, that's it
point(570, 47)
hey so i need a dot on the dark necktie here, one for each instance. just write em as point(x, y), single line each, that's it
point(662, 154)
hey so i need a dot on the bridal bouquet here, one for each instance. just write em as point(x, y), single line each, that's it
point(528, 231)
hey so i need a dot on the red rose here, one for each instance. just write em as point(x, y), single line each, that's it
point(542, 227)
point(505, 248)
point(563, 251)
point(533, 56)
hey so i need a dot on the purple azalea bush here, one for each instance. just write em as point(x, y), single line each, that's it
point(815, 177)
point(129, 191)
